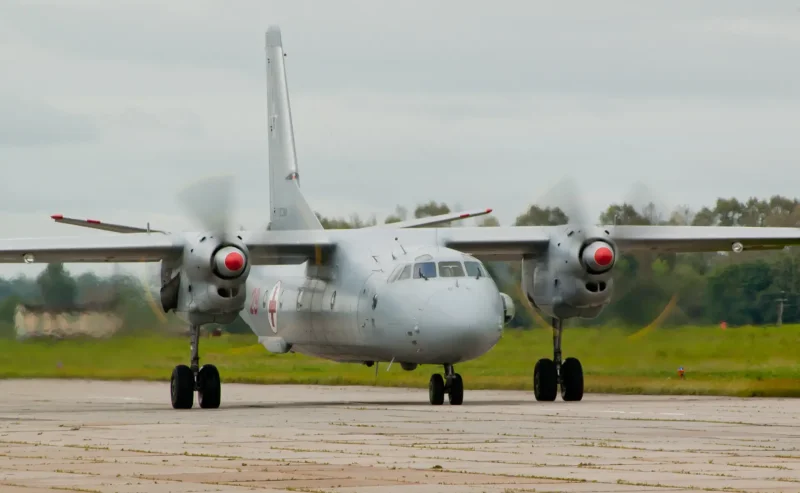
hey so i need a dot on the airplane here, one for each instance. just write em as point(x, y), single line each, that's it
point(404, 292)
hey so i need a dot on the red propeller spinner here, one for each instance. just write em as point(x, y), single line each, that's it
point(598, 256)
point(229, 261)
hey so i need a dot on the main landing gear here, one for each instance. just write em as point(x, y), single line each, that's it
point(451, 384)
point(186, 380)
point(548, 374)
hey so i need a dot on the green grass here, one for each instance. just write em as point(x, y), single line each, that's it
point(747, 361)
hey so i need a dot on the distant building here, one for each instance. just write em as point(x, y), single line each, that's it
point(89, 319)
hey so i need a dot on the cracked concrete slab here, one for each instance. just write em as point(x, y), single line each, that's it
point(98, 436)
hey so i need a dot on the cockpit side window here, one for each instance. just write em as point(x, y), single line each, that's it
point(451, 269)
point(424, 270)
point(405, 273)
point(395, 273)
point(475, 269)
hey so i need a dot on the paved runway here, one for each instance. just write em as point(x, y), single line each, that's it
point(124, 437)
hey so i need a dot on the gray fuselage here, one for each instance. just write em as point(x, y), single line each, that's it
point(363, 306)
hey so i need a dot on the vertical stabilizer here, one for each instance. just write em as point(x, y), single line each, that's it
point(288, 207)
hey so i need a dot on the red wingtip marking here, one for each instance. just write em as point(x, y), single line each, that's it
point(57, 216)
point(93, 221)
point(488, 211)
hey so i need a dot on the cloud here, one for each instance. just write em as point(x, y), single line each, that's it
point(27, 123)
point(114, 108)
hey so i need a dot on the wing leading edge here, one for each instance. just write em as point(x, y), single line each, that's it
point(514, 242)
point(291, 247)
point(116, 248)
point(702, 238)
point(268, 248)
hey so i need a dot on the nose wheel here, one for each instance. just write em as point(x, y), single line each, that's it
point(204, 380)
point(549, 373)
point(451, 384)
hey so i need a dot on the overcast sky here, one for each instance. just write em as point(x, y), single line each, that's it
point(110, 108)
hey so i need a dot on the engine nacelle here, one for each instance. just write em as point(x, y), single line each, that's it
point(208, 283)
point(509, 310)
point(573, 278)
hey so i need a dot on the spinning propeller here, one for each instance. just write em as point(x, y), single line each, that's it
point(218, 257)
point(600, 256)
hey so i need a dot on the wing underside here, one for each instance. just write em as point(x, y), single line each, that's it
point(702, 238)
point(111, 248)
point(497, 243)
point(513, 243)
point(493, 243)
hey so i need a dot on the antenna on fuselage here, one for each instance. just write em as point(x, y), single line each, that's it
point(401, 245)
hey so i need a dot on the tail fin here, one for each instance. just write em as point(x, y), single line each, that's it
point(288, 207)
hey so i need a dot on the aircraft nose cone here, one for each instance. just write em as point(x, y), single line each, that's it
point(462, 323)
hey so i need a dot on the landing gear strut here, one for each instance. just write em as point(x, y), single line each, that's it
point(548, 374)
point(186, 380)
point(451, 384)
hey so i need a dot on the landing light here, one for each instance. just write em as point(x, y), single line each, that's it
point(28, 258)
point(737, 247)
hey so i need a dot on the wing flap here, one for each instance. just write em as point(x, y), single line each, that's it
point(702, 238)
point(95, 224)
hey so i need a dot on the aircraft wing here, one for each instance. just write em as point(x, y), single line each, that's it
point(434, 220)
point(95, 224)
point(512, 243)
point(270, 248)
point(702, 238)
point(122, 248)
point(287, 246)
point(498, 243)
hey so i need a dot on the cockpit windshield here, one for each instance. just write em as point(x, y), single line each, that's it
point(429, 269)
point(451, 269)
point(424, 270)
point(474, 269)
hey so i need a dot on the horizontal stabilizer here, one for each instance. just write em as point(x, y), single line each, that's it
point(95, 224)
point(434, 220)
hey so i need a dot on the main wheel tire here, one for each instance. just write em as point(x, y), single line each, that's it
point(545, 380)
point(571, 380)
point(182, 387)
point(209, 392)
point(456, 394)
point(436, 389)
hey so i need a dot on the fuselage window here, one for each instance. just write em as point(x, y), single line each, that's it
point(424, 270)
point(451, 269)
point(475, 269)
point(405, 273)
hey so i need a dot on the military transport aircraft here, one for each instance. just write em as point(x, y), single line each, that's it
point(388, 293)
